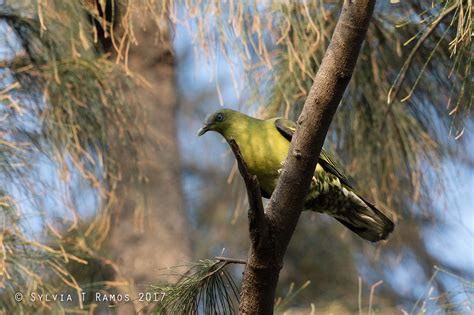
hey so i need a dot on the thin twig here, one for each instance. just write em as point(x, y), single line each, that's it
point(402, 76)
point(225, 263)
point(231, 260)
point(372, 291)
point(392, 94)
point(256, 214)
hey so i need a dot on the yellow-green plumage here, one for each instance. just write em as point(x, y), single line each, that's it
point(263, 153)
point(264, 145)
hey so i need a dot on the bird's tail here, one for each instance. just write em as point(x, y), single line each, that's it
point(367, 221)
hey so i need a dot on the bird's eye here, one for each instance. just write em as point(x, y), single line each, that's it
point(220, 117)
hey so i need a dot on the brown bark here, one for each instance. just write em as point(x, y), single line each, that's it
point(268, 248)
point(158, 238)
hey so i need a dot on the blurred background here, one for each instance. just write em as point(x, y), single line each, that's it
point(105, 186)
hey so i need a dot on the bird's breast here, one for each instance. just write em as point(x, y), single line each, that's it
point(264, 156)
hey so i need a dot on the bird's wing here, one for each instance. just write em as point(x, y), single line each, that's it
point(287, 128)
point(264, 194)
point(330, 165)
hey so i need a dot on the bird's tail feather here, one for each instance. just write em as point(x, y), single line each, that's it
point(368, 222)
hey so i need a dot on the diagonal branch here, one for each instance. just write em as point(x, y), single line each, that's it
point(256, 214)
point(231, 260)
point(393, 93)
point(281, 216)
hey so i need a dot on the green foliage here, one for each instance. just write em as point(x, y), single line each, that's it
point(450, 41)
point(60, 100)
point(394, 149)
point(27, 266)
point(76, 97)
point(64, 265)
point(394, 145)
point(206, 288)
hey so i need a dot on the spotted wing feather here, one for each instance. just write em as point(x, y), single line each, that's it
point(287, 128)
point(340, 200)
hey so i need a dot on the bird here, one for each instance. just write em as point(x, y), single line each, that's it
point(264, 145)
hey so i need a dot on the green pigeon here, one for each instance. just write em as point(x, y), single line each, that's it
point(264, 145)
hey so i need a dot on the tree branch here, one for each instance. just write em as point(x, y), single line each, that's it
point(257, 221)
point(231, 260)
point(393, 93)
point(282, 214)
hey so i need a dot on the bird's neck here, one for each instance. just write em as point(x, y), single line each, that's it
point(239, 129)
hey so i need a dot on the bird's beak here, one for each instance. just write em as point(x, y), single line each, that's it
point(203, 130)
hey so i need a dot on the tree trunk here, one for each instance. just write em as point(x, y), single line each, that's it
point(271, 231)
point(149, 232)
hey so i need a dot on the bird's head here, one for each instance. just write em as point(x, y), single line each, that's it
point(220, 121)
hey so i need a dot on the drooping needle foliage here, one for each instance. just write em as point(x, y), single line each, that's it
point(64, 117)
